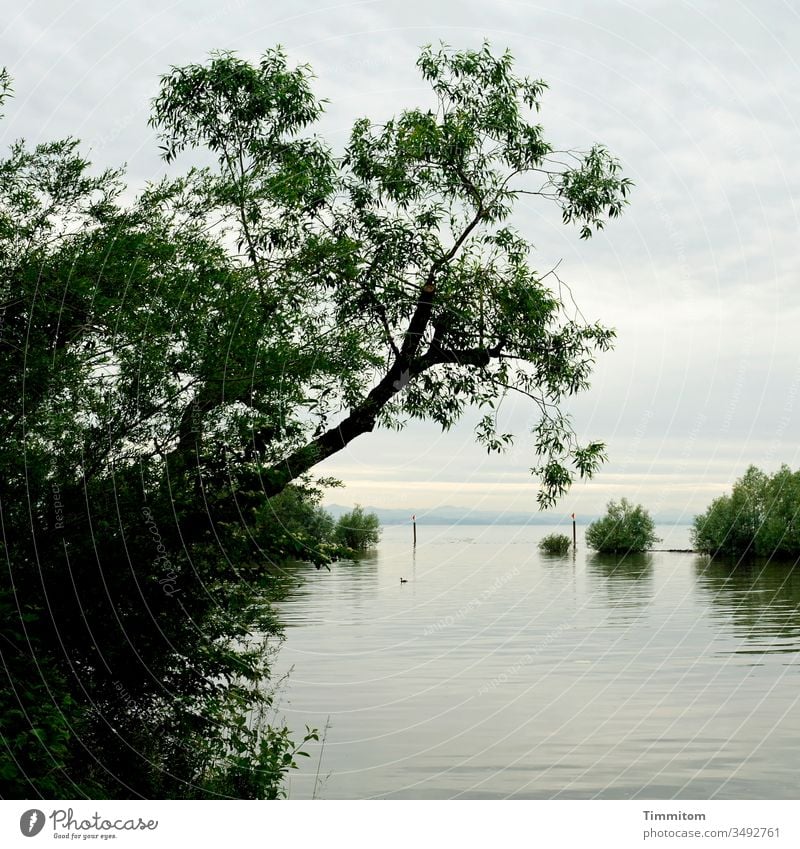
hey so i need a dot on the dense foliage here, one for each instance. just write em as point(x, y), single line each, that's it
point(358, 530)
point(391, 280)
point(761, 516)
point(172, 362)
point(625, 528)
point(555, 544)
point(129, 620)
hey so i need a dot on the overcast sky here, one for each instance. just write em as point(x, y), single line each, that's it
point(700, 101)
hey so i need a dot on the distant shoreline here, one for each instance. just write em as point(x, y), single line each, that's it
point(448, 515)
point(444, 523)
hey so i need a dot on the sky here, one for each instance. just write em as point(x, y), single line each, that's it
point(700, 102)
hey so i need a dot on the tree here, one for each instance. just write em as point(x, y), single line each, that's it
point(388, 280)
point(625, 528)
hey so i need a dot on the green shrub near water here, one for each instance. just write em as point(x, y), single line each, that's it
point(625, 528)
point(357, 530)
point(761, 516)
point(555, 544)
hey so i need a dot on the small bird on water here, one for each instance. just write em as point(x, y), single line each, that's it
point(403, 581)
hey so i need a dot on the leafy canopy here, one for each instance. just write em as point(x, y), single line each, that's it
point(760, 516)
point(626, 527)
point(387, 283)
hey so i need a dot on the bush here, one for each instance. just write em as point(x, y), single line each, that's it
point(760, 516)
point(555, 544)
point(187, 649)
point(625, 527)
point(293, 526)
point(358, 530)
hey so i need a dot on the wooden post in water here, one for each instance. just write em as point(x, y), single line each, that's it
point(414, 525)
point(574, 534)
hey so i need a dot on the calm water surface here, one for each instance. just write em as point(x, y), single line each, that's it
point(497, 671)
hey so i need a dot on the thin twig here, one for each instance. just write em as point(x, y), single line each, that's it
point(321, 750)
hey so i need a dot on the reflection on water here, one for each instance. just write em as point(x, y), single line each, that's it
point(499, 672)
point(759, 600)
point(625, 581)
point(621, 569)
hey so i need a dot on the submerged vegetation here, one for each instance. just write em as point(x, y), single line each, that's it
point(555, 544)
point(625, 528)
point(761, 516)
point(176, 363)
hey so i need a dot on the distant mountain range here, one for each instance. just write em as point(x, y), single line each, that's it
point(449, 515)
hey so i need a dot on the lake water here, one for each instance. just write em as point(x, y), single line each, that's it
point(500, 672)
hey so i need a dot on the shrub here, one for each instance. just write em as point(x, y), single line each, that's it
point(555, 544)
point(625, 527)
point(293, 525)
point(358, 530)
point(761, 516)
